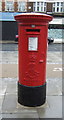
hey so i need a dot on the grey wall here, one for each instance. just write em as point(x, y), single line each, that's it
point(9, 30)
point(0, 30)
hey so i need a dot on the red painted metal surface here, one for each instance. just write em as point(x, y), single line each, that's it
point(32, 31)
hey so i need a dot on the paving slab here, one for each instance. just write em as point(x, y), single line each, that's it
point(63, 107)
point(63, 86)
point(51, 109)
point(11, 57)
point(54, 70)
point(9, 103)
point(54, 110)
point(54, 86)
point(11, 108)
point(54, 57)
point(11, 70)
point(21, 115)
point(0, 116)
point(12, 87)
point(3, 86)
point(1, 102)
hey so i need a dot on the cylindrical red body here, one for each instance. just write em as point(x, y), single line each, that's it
point(32, 31)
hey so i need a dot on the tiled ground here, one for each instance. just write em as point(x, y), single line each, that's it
point(51, 109)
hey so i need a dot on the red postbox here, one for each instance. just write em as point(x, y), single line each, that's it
point(32, 31)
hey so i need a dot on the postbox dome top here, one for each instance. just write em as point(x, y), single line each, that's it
point(32, 13)
point(33, 18)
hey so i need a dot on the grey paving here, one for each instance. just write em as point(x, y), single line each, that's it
point(11, 87)
point(0, 116)
point(51, 109)
point(54, 86)
point(1, 101)
point(9, 103)
point(11, 57)
point(54, 110)
point(54, 57)
point(63, 107)
point(63, 86)
point(8, 57)
point(9, 47)
point(21, 115)
point(14, 47)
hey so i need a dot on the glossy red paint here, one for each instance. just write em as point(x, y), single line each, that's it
point(32, 48)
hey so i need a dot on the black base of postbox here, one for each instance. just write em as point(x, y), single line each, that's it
point(31, 96)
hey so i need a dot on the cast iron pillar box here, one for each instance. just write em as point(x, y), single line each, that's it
point(32, 31)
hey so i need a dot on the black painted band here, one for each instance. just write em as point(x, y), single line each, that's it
point(31, 96)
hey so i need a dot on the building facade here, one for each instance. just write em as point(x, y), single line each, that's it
point(55, 7)
point(44, 6)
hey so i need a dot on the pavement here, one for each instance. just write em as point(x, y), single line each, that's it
point(10, 108)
